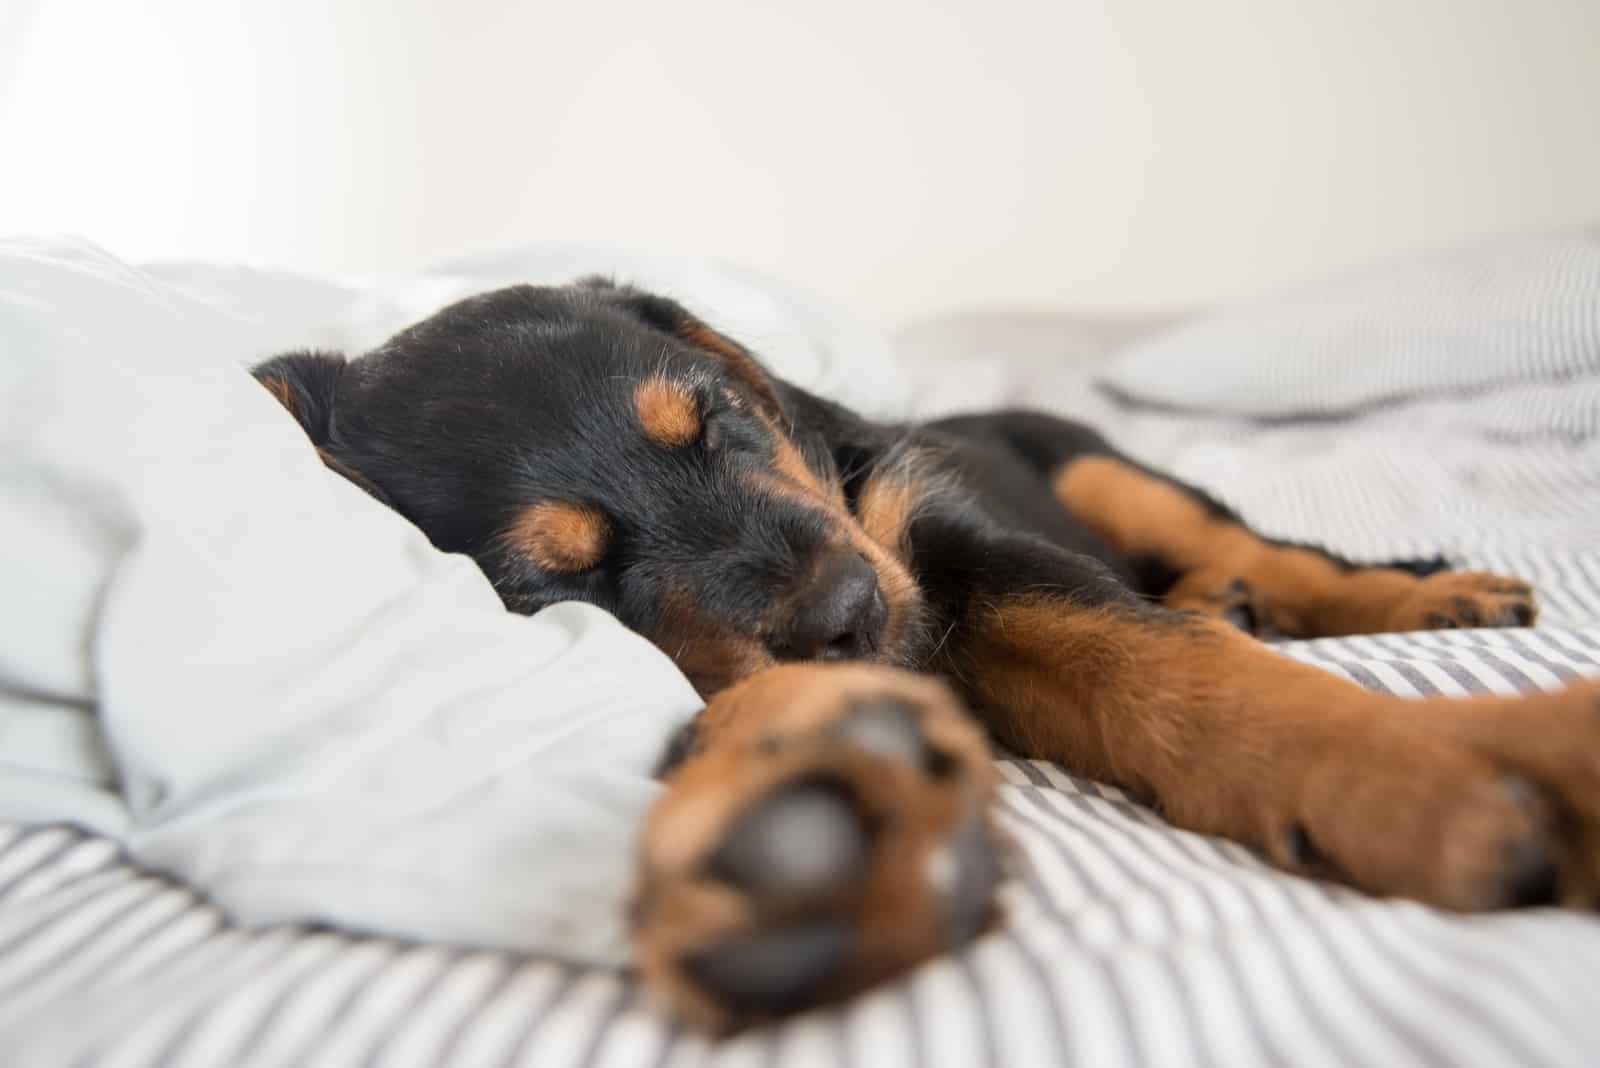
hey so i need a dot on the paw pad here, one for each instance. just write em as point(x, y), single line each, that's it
point(773, 971)
point(806, 839)
point(891, 729)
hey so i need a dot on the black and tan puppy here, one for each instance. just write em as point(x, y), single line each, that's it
point(826, 822)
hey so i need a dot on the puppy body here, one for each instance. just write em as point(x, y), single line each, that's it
point(827, 820)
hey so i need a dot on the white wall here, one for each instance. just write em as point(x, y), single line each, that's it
point(898, 155)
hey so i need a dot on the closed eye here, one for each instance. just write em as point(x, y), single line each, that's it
point(731, 431)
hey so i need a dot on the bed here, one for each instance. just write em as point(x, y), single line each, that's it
point(1127, 942)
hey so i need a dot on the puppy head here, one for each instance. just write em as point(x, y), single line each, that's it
point(597, 443)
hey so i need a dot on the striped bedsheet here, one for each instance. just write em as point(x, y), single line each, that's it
point(1128, 943)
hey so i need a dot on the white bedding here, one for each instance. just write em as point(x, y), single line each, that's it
point(265, 683)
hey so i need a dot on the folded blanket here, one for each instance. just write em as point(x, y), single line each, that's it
point(266, 683)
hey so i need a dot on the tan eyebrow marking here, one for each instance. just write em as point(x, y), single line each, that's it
point(559, 536)
point(668, 412)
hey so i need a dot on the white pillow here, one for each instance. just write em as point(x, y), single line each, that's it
point(1512, 312)
point(267, 683)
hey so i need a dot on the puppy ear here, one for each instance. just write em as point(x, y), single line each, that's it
point(670, 317)
point(306, 384)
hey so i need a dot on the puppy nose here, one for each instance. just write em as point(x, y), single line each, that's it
point(839, 616)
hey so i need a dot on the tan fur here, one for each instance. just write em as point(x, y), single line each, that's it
point(885, 508)
point(791, 466)
point(711, 654)
point(560, 536)
point(667, 411)
point(1300, 592)
point(1231, 738)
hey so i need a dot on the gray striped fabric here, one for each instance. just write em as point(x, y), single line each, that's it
point(1128, 943)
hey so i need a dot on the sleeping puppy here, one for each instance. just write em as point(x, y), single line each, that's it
point(841, 591)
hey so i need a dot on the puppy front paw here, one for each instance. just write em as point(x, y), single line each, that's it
point(835, 831)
